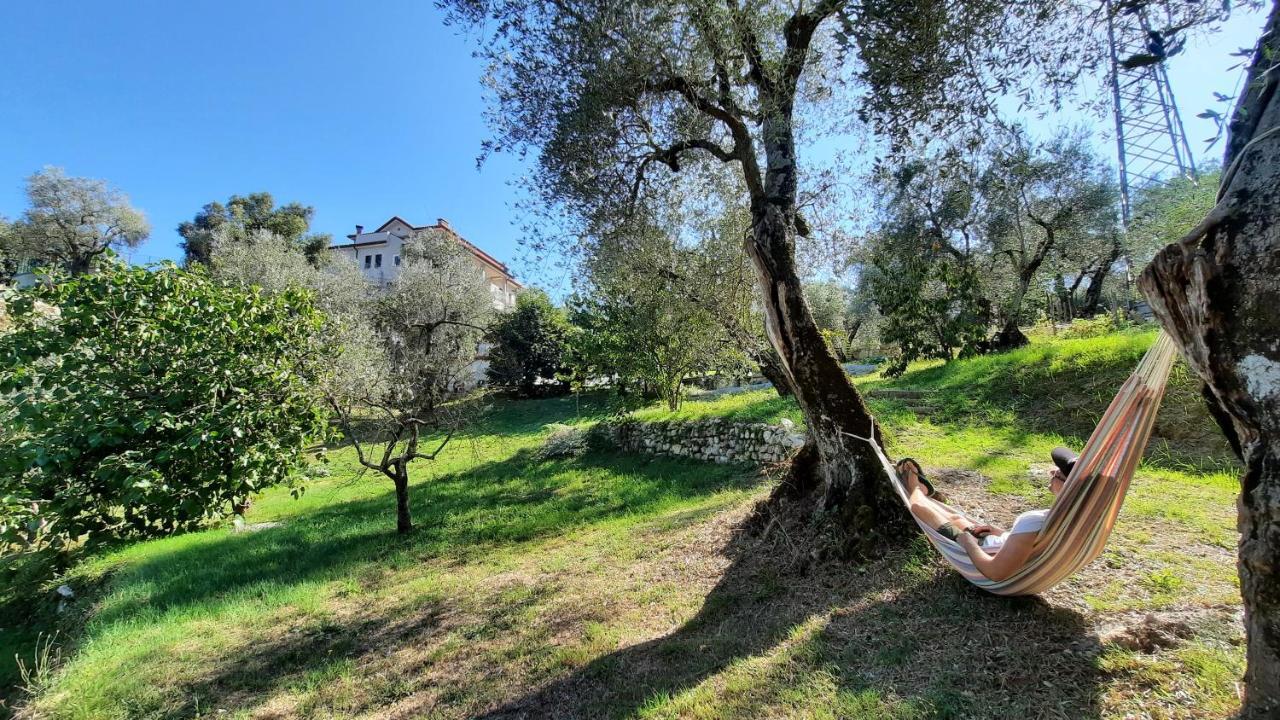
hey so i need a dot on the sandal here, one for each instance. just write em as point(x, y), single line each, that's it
point(928, 486)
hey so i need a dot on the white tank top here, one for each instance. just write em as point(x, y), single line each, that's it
point(1027, 522)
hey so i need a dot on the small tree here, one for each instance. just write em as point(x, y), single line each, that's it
point(831, 305)
point(646, 313)
point(243, 216)
point(648, 343)
point(275, 264)
point(529, 345)
point(920, 266)
point(408, 355)
point(932, 303)
point(138, 402)
point(72, 222)
point(1044, 201)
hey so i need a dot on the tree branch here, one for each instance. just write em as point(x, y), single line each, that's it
point(749, 43)
point(799, 32)
point(743, 148)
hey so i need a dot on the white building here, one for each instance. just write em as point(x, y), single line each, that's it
point(378, 255)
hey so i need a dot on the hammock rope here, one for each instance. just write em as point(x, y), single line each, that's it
point(1085, 512)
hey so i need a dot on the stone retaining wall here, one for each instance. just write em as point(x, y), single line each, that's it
point(715, 440)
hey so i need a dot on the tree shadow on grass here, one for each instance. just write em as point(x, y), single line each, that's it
point(901, 635)
point(457, 515)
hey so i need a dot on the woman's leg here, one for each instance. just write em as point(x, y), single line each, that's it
point(928, 510)
point(936, 516)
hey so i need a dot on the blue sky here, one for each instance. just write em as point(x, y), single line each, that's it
point(363, 110)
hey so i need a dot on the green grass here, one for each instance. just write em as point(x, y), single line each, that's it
point(760, 406)
point(1053, 388)
point(620, 586)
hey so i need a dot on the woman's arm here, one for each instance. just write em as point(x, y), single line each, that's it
point(1008, 559)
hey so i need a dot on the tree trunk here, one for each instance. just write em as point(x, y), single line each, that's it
point(1093, 295)
point(1217, 298)
point(1009, 337)
point(771, 367)
point(80, 264)
point(856, 495)
point(404, 522)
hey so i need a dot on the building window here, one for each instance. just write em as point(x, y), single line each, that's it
point(377, 260)
point(396, 261)
point(368, 261)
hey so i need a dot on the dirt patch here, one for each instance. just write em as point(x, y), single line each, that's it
point(1151, 632)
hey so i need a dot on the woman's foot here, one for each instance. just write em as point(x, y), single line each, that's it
point(912, 476)
point(910, 479)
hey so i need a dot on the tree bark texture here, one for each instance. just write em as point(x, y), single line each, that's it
point(1217, 295)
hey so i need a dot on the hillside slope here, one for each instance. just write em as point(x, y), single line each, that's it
point(1052, 386)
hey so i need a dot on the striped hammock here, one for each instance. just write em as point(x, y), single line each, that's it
point(1085, 512)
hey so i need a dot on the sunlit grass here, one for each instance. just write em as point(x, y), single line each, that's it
point(754, 406)
point(195, 598)
point(1053, 390)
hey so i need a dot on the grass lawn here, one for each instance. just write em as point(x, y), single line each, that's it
point(623, 586)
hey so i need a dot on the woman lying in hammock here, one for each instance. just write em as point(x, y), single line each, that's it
point(995, 552)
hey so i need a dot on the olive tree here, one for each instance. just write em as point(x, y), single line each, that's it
point(401, 354)
point(1045, 200)
point(921, 266)
point(1216, 291)
point(656, 309)
point(411, 350)
point(73, 221)
point(610, 92)
point(274, 264)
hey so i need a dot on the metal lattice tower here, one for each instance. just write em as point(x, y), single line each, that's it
point(1150, 141)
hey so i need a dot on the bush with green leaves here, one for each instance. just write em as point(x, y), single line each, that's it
point(530, 345)
point(141, 402)
point(932, 303)
point(1096, 326)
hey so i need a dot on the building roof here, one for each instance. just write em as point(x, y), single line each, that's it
point(357, 244)
point(441, 224)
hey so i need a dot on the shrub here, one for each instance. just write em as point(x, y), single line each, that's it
point(530, 344)
point(563, 442)
point(149, 402)
point(1096, 326)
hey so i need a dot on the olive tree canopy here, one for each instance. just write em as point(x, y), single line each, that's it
point(611, 94)
point(73, 221)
